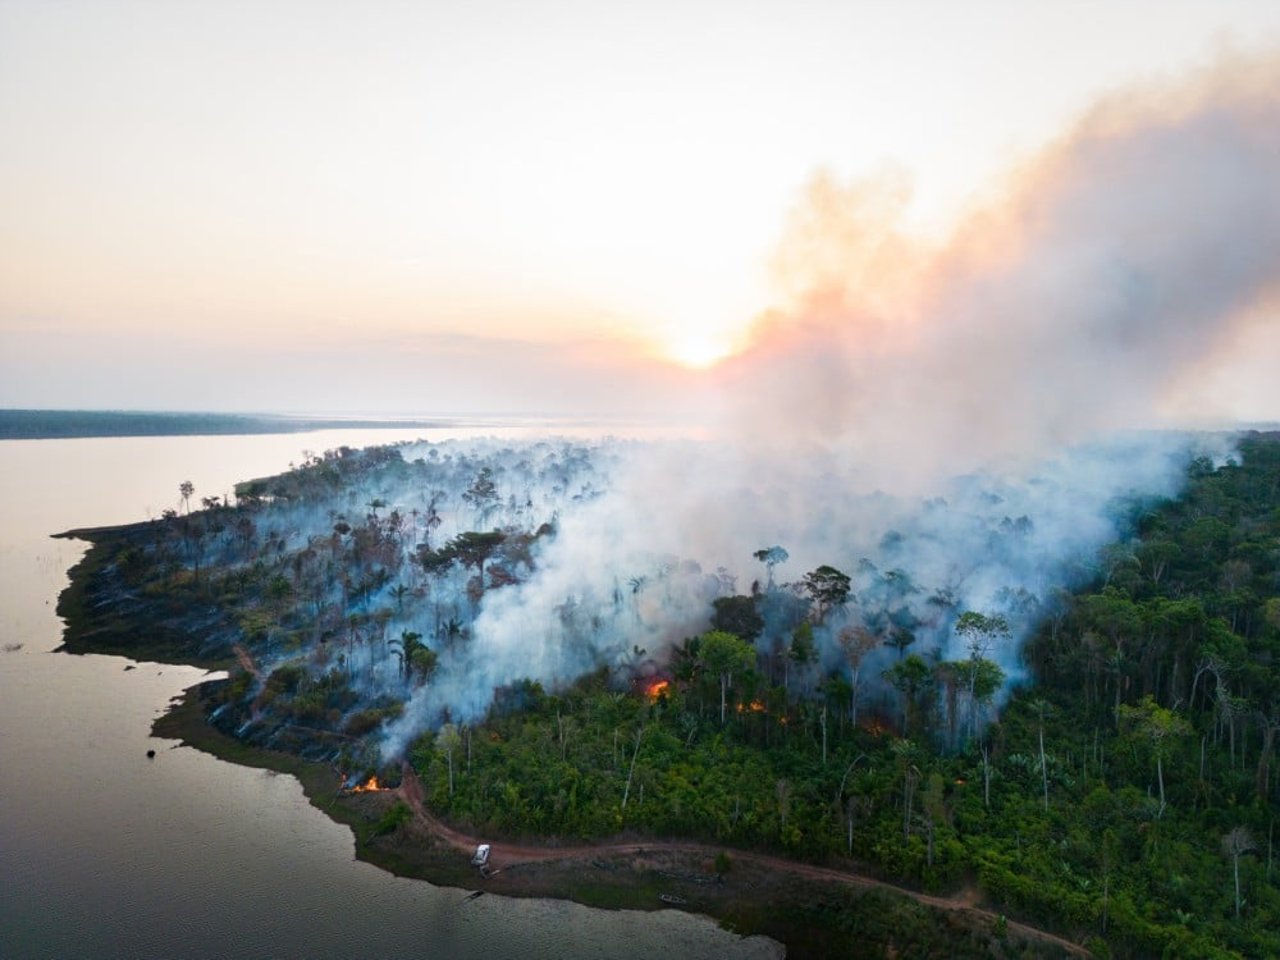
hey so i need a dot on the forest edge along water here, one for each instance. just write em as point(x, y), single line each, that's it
point(109, 853)
point(764, 894)
point(749, 899)
point(1227, 512)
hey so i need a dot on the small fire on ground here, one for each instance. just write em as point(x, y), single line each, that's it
point(656, 689)
point(369, 786)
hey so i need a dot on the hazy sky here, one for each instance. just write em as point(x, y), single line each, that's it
point(540, 206)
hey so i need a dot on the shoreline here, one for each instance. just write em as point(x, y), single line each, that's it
point(760, 895)
point(33, 424)
point(805, 907)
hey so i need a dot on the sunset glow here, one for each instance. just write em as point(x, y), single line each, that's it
point(419, 208)
point(698, 351)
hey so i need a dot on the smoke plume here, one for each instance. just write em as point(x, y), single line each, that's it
point(950, 423)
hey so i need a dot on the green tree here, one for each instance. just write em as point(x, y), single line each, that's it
point(907, 755)
point(802, 650)
point(828, 588)
point(983, 679)
point(737, 615)
point(981, 632)
point(1159, 729)
point(912, 678)
point(725, 654)
point(474, 548)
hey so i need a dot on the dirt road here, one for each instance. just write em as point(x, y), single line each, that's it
point(505, 855)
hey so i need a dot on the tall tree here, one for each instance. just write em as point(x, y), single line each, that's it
point(981, 632)
point(1043, 709)
point(771, 557)
point(737, 615)
point(474, 548)
point(448, 740)
point(725, 654)
point(483, 492)
point(828, 588)
point(1159, 729)
point(911, 678)
point(1235, 844)
point(802, 650)
point(855, 644)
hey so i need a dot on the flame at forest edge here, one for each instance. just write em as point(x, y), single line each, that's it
point(656, 689)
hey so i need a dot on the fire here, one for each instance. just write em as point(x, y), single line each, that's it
point(755, 706)
point(369, 786)
point(656, 689)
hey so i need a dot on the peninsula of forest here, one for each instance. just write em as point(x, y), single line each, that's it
point(975, 732)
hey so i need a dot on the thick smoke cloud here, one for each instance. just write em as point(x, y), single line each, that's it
point(950, 424)
point(1072, 304)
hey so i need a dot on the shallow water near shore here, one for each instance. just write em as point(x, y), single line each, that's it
point(105, 853)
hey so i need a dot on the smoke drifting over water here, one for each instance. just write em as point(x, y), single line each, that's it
point(951, 426)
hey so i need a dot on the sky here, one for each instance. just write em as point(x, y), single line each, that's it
point(587, 208)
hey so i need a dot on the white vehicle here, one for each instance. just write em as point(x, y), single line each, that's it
point(482, 855)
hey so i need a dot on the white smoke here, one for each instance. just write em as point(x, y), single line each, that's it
point(965, 413)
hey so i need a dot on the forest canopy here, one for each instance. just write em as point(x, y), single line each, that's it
point(1086, 734)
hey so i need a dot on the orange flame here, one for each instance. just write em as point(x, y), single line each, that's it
point(369, 786)
point(755, 706)
point(656, 689)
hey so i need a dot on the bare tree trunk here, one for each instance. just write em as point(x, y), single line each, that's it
point(908, 789)
point(1235, 862)
point(627, 791)
point(986, 777)
point(1106, 898)
point(824, 734)
point(1160, 779)
point(1044, 769)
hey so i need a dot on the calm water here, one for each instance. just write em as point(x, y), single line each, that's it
point(104, 853)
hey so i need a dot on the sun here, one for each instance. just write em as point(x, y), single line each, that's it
point(697, 351)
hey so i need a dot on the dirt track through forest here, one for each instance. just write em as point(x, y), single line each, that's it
point(506, 855)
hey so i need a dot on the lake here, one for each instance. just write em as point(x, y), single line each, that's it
point(104, 853)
